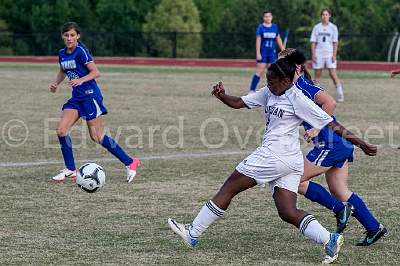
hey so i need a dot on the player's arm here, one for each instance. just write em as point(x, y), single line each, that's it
point(258, 47)
point(367, 148)
point(280, 43)
point(59, 78)
point(232, 101)
point(394, 72)
point(327, 103)
point(93, 74)
point(335, 45)
point(313, 57)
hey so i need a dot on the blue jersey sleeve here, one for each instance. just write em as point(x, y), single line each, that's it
point(259, 31)
point(307, 87)
point(276, 30)
point(83, 56)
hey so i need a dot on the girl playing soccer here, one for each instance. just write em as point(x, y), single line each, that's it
point(87, 102)
point(324, 42)
point(267, 34)
point(278, 162)
point(330, 156)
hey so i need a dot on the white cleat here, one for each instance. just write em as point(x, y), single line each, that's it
point(183, 231)
point(64, 174)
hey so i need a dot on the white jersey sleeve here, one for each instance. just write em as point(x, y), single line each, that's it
point(335, 33)
point(257, 99)
point(314, 34)
point(308, 111)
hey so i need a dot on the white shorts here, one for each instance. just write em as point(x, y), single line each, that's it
point(324, 62)
point(264, 168)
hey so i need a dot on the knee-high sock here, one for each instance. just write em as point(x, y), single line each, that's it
point(317, 193)
point(66, 149)
point(313, 230)
point(254, 82)
point(207, 215)
point(113, 147)
point(362, 214)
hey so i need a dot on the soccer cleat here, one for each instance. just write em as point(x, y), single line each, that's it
point(373, 236)
point(343, 217)
point(183, 231)
point(332, 248)
point(131, 169)
point(64, 174)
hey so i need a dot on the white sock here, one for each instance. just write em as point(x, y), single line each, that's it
point(207, 215)
point(313, 230)
point(339, 89)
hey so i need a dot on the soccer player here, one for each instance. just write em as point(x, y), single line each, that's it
point(330, 156)
point(86, 102)
point(278, 162)
point(267, 34)
point(394, 72)
point(324, 43)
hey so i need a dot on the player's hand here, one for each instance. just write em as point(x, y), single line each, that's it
point(310, 134)
point(75, 82)
point(369, 149)
point(259, 57)
point(218, 90)
point(53, 87)
point(314, 59)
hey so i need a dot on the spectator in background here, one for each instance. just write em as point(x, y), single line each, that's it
point(267, 34)
point(324, 42)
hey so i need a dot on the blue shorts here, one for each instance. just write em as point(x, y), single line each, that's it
point(88, 109)
point(269, 58)
point(331, 157)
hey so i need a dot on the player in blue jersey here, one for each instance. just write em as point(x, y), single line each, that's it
point(86, 102)
point(330, 156)
point(267, 36)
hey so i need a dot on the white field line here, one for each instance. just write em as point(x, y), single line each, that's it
point(146, 158)
point(158, 157)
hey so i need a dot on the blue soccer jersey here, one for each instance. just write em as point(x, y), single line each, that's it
point(326, 136)
point(268, 38)
point(74, 66)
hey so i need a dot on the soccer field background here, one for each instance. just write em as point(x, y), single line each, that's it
point(190, 143)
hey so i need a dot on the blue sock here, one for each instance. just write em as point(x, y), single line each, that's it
point(113, 147)
point(66, 149)
point(254, 82)
point(362, 214)
point(317, 193)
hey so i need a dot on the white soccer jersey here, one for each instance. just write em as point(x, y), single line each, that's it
point(324, 36)
point(283, 115)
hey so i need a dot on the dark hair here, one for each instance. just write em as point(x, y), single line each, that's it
point(323, 10)
point(71, 25)
point(288, 51)
point(267, 11)
point(286, 67)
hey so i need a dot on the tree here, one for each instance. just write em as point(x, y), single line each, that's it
point(174, 28)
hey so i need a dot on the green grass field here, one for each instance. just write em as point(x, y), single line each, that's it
point(167, 117)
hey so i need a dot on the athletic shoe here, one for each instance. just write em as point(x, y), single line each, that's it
point(340, 97)
point(183, 230)
point(332, 248)
point(63, 174)
point(343, 217)
point(373, 236)
point(131, 169)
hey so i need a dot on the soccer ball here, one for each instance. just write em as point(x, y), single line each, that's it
point(90, 177)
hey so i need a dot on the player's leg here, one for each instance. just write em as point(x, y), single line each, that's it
point(260, 69)
point(213, 209)
point(67, 120)
point(286, 204)
point(96, 132)
point(337, 182)
point(318, 66)
point(336, 81)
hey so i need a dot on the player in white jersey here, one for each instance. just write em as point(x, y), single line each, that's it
point(324, 42)
point(278, 161)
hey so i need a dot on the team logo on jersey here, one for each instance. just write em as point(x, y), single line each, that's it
point(273, 110)
point(269, 35)
point(70, 64)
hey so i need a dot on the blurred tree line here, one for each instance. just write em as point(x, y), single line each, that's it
point(192, 28)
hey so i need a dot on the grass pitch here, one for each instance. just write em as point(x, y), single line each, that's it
point(156, 112)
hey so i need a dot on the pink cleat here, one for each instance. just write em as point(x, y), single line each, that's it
point(131, 169)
